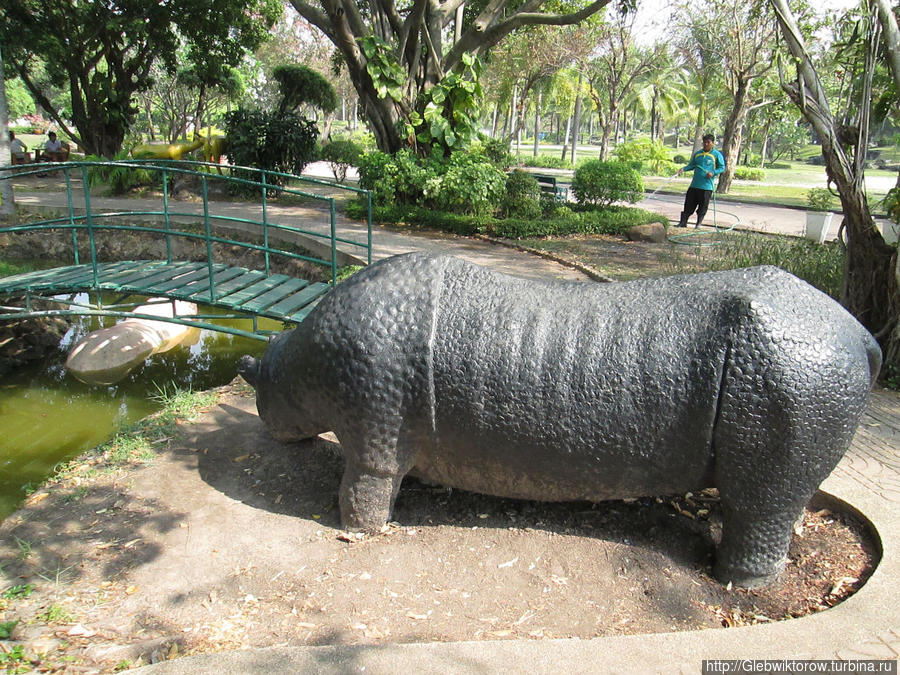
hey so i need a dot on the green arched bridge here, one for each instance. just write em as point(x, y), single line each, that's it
point(241, 291)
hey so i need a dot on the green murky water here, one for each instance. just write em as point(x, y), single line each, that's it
point(48, 417)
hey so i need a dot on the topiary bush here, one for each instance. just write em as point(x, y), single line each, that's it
point(523, 196)
point(601, 183)
point(276, 141)
point(341, 154)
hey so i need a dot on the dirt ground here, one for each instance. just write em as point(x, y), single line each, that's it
point(229, 539)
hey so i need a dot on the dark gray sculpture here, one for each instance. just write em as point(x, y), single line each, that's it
point(750, 381)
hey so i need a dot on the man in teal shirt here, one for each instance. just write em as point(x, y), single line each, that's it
point(707, 163)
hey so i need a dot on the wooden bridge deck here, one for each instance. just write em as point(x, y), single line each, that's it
point(277, 296)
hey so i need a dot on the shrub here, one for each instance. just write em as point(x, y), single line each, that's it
point(602, 183)
point(121, 179)
point(497, 152)
point(819, 199)
point(748, 173)
point(341, 155)
point(470, 185)
point(680, 159)
point(395, 179)
point(642, 152)
point(276, 141)
point(547, 161)
point(523, 196)
point(821, 265)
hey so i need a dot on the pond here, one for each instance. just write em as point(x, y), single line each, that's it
point(49, 417)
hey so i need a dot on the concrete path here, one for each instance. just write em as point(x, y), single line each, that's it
point(866, 626)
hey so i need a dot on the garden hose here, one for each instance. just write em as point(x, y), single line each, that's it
point(690, 238)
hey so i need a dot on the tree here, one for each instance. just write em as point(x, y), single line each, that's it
point(613, 71)
point(746, 40)
point(7, 198)
point(104, 51)
point(397, 56)
point(870, 285)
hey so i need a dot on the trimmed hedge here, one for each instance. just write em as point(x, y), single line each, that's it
point(614, 220)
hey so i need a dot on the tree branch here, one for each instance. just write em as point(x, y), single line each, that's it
point(484, 33)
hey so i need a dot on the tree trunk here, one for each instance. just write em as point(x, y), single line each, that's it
point(871, 288)
point(537, 123)
point(7, 196)
point(765, 145)
point(566, 141)
point(734, 130)
point(576, 123)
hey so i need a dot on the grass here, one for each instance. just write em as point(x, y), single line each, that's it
point(55, 614)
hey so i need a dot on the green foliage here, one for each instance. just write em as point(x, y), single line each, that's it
point(300, 86)
point(680, 159)
point(6, 628)
point(18, 100)
point(399, 178)
point(602, 183)
point(275, 141)
point(386, 73)
point(19, 591)
point(749, 173)
point(101, 53)
point(8, 269)
point(523, 196)
point(496, 150)
point(446, 116)
point(821, 265)
point(892, 204)
point(469, 185)
point(547, 161)
point(563, 222)
point(341, 155)
point(819, 199)
point(121, 179)
point(641, 153)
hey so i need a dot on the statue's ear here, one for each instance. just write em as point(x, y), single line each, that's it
point(248, 368)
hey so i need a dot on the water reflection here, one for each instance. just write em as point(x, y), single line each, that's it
point(47, 416)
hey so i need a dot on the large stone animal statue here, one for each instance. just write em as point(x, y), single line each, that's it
point(749, 381)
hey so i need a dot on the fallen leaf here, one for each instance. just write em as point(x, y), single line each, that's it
point(79, 630)
point(242, 458)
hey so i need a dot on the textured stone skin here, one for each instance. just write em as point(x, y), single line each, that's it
point(749, 381)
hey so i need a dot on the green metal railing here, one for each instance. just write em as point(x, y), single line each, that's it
point(263, 232)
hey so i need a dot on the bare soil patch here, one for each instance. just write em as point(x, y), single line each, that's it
point(230, 539)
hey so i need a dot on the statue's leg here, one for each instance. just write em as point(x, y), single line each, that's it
point(376, 458)
point(367, 497)
point(779, 433)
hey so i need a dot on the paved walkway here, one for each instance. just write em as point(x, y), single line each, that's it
point(865, 626)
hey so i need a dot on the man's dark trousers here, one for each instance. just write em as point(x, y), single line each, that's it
point(695, 199)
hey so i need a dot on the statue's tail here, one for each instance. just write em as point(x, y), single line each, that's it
point(248, 368)
point(873, 351)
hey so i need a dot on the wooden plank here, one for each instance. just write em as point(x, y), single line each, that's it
point(277, 294)
point(199, 289)
point(293, 303)
point(143, 279)
point(136, 269)
point(237, 283)
point(239, 298)
point(179, 281)
point(303, 313)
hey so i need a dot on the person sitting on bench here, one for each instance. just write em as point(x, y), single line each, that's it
point(18, 151)
point(54, 150)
